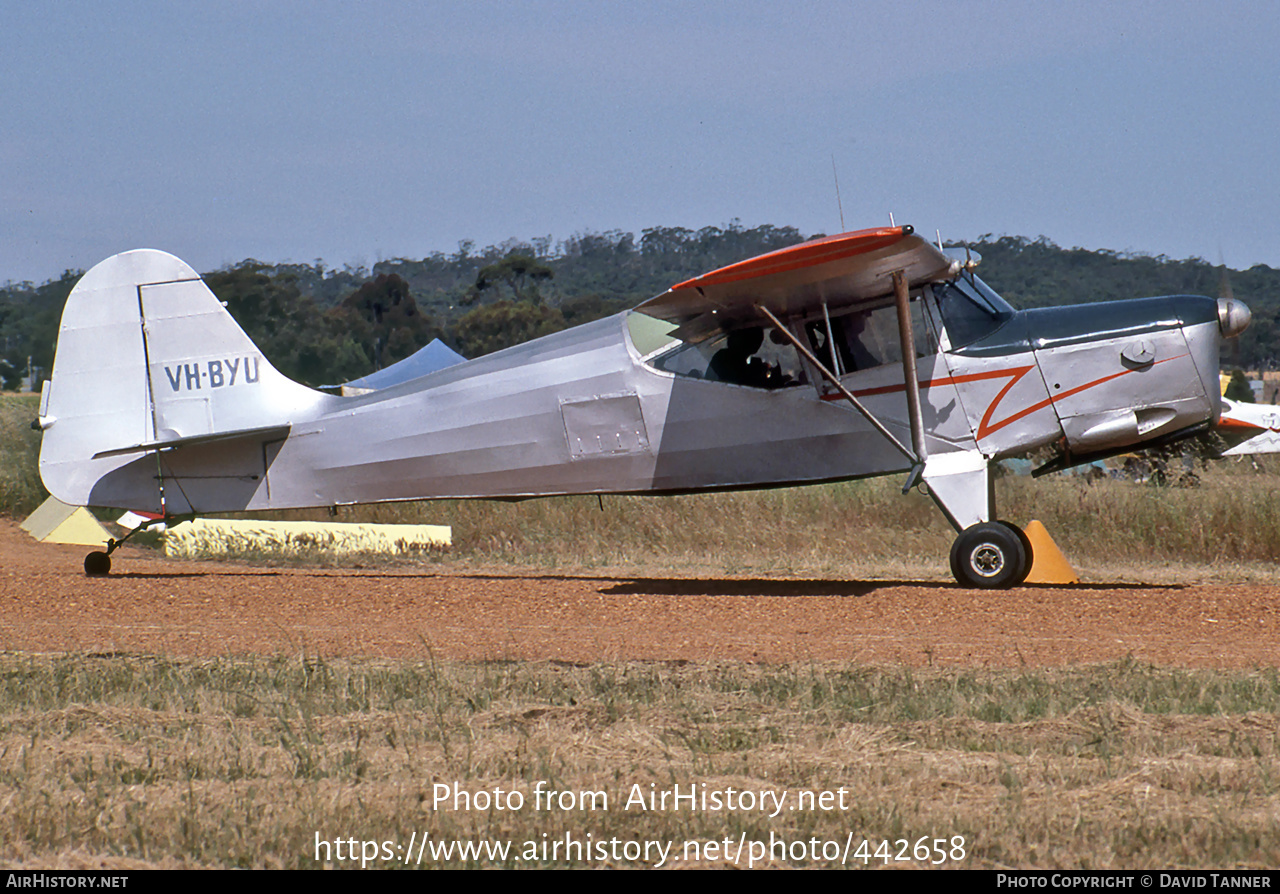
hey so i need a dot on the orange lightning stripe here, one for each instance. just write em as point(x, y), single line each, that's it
point(986, 426)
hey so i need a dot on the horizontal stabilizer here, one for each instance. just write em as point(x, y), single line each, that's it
point(267, 433)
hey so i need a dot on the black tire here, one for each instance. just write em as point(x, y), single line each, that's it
point(989, 556)
point(1027, 549)
point(97, 564)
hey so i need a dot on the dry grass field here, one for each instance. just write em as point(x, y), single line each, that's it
point(131, 760)
point(791, 644)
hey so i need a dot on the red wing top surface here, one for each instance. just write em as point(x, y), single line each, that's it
point(839, 270)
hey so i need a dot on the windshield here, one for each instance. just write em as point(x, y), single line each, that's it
point(970, 310)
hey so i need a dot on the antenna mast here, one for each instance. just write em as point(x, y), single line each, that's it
point(837, 179)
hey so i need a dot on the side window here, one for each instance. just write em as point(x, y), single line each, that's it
point(755, 356)
point(865, 339)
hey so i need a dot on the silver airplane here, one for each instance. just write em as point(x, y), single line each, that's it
point(868, 353)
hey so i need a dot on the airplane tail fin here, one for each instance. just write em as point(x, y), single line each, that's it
point(158, 400)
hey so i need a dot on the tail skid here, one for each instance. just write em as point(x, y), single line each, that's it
point(148, 361)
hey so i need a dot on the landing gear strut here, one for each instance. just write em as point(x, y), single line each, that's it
point(98, 562)
point(991, 556)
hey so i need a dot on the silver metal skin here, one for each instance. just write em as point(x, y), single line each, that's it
point(159, 402)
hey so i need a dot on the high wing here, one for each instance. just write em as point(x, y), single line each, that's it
point(838, 271)
point(831, 273)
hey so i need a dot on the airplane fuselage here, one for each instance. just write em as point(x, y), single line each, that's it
point(581, 411)
point(861, 354)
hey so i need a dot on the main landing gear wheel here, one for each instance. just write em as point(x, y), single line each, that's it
point(1027, 549)
point(97, 564)
point(990, 556)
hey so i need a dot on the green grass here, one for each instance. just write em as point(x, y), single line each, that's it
point(20, 487)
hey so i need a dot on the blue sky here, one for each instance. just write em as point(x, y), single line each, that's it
point(291, 131)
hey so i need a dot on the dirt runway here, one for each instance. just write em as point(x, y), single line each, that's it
point(188, 609)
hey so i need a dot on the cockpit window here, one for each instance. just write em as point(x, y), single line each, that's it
point(649, 334)
point(865, 339)
point(755, 356)
point(970, 310)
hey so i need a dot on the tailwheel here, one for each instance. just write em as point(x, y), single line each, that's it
point(97, 564)
point(990, 556)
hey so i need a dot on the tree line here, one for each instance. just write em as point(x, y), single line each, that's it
point(324, 326)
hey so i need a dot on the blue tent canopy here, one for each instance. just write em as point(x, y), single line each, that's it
point(433, 358)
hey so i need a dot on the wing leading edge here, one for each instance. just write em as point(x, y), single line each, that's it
point(841, 270)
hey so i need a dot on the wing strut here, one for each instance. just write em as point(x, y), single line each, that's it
point(844, 392)
point(902, 298)
point(831, 341)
